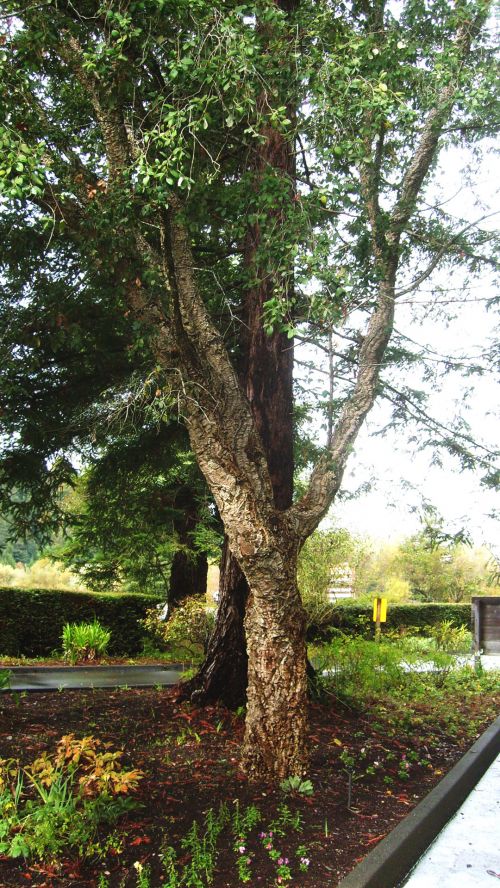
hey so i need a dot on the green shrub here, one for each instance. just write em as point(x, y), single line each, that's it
point(450, 638)
point(356, 619)
point(320, 613)
point(187, 630)
point(84, 641)
point(32, 620)
point(359, 669)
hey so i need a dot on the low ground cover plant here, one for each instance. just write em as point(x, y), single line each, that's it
point(58, 801)
point(357, 669)
point(84, 641)
point(195, 866)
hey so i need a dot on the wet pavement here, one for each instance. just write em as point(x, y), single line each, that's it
point(46, 678)
point(466, 853)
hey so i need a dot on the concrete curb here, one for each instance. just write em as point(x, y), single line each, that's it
point(391, 861)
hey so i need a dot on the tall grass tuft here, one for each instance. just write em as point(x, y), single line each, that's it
point(84, 641)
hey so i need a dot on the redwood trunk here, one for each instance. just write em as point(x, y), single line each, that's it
point(223, 674)
point(188, 577)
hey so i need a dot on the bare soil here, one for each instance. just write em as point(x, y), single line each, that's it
point(190, 758)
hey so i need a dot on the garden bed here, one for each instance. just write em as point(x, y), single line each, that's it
point(394, 754)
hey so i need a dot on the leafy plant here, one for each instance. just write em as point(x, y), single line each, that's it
point(202, 850)
point(60, 800)
point(451, 638)
point(297, 784)
point(84, 641)
point(143, 874)
point(5, 677)
point(189, 627)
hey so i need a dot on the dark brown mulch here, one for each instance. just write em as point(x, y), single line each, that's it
point(190, 760)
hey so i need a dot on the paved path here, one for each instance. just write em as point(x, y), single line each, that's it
point(45, 678)
point(466, 853)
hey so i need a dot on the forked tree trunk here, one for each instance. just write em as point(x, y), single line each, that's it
point(266, 376)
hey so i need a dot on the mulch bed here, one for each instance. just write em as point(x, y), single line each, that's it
point(190, 760)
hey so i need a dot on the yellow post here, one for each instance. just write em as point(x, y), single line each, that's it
point(379, 614)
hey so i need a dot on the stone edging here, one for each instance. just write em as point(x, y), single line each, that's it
point(391, 861)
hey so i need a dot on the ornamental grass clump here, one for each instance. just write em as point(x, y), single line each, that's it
point(84, 641)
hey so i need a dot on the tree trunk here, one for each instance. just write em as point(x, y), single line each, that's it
point(188, 577)
point(266, 375)
point(275, 741)
point(223, 674)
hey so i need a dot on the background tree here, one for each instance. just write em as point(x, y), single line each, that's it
point(140, 517)
point(432, 565)
point(14, 550)
point(125, 237)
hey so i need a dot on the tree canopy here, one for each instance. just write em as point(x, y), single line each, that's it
point(134, 190)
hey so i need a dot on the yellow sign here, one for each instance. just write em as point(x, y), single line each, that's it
point(379, 610)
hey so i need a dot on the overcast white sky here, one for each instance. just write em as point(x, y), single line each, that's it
point(392, 509)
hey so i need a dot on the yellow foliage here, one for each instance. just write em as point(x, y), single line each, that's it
point(43, 574)
point(99, 770)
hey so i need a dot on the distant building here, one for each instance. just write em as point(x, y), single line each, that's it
point(342, 583)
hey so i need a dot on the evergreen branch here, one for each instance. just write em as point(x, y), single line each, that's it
point(443, 249)
point(447, 433)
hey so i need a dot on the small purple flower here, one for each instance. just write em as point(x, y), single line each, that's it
point(241, 849)
point(305, 861)
point(262, 835)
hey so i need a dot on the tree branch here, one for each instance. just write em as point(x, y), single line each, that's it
point(443, 249)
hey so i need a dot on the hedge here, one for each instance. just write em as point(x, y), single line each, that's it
point(357, 618)
point(31, 620)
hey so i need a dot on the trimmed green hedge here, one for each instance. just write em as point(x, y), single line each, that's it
point(357, 618)
point(31, 620)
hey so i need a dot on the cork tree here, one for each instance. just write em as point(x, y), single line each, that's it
point(176, 175)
